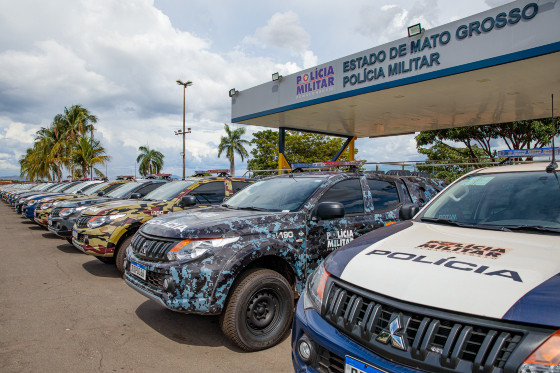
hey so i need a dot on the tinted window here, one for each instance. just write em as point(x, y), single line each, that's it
point(384, 194)
point(238, 185)
point(169, 190)
point(276, 194)
point(209, 193)
point(148, 188)
point(347, 192)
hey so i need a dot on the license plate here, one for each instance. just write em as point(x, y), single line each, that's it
point(74, 234)
point(138, 270)
point(356, 366)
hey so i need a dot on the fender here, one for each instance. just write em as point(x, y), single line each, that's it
point(249, 254)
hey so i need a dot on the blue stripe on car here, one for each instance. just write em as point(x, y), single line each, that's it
point(539, 306)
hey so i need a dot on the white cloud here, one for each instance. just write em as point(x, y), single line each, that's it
point(284, 31)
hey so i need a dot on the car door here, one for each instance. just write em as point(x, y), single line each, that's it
point(386, 200)
point(211, 193)
point(324, 236)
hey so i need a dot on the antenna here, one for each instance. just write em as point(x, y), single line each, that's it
point(552, 166)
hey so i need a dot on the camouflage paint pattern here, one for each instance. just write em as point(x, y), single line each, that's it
point(102, 241)
point(293, 243)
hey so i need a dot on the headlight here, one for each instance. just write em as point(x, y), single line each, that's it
point(70, 210)
point(47, 205)
point(314, 289)
point(191, 249)
point(31, 203)
point(98, 221)
point(545, 358)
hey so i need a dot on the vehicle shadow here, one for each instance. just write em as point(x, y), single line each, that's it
point(36, 227)
point(193, 330)
point(99, 269)
point(50, 235)
point(70, 249)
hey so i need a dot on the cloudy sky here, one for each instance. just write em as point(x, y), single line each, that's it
point(121, 58)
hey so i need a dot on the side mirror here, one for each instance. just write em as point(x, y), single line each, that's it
point(187, 201)
point(329, 210)
point(408, 210)
point(101, 194)
point(135, 196)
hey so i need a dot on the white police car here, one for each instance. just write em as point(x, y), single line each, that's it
point(472, 284)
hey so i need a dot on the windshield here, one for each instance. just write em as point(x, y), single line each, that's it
point(506, 201)
point(123, 189)
point(61, 187)
point(277, 194)
point(78, 186)
point(169, 190)
point(95, 187)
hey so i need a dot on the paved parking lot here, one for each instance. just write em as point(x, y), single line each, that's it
point(64, 311)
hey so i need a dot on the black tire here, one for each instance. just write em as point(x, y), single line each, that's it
point(106, 260)
point(259, 310)
point(121, 253)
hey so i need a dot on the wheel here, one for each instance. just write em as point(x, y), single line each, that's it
point(106, 260)
point(259, 310)
point(121, 253)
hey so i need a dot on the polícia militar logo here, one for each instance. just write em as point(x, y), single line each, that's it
point(315, 81)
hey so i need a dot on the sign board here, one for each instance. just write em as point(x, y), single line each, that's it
point(539, 152)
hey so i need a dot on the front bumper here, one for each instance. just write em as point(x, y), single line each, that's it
point(191, 289)
point(332, 347)
point(61, 227)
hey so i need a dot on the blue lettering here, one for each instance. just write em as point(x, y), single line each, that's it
point(455, 264)
point(462, 32)
point(381, 55)
point(331, 80)
point(415, 46)
point(533, 6)
point(424, 62)
point(484, 23)
point(514, 16)
point(402, 50)
point(507, 274)
point(434, 39)
point(330, 71)
point(393, 52)
point(426, 44)
point(474, 27)
point(447, 35)
point(434, 58)
point(501, 20)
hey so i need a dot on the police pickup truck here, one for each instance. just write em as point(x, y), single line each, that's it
point(469, 285)
point(248, 259)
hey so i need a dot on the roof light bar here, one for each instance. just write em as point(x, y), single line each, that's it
point(327, 164)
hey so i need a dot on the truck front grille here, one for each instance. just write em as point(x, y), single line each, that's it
point(434, 340)
point(150, 248)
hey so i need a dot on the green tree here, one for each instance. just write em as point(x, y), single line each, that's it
point(233, 143)
point(150, 160)
point(73, 123)
point(299, 147)
point(88, 154)
point(474, 144)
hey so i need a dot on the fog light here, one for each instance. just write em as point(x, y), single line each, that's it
point(305, 349)
point(168, 284)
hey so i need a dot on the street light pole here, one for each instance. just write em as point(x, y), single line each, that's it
point(183, 132)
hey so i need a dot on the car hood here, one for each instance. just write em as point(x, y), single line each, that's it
point(503, 275)
point(111, 207)
point(207, 222)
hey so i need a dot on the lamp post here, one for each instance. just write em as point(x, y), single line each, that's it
point(183, 132)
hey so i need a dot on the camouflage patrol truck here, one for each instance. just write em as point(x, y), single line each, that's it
point(103, 229)
point(248, 259)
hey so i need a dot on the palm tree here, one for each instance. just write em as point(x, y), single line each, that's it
point(233, 143)
point(89, 153)
point(73, 123)
point(151, 161)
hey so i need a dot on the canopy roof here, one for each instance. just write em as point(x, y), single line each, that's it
point(498, 66)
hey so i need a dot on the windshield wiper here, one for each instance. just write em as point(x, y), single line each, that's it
point(254, 208)
point(538, 228)
point(463, 225)
point(447, 221)
point(229, 206)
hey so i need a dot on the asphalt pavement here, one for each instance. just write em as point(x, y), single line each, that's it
point(65, 311)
